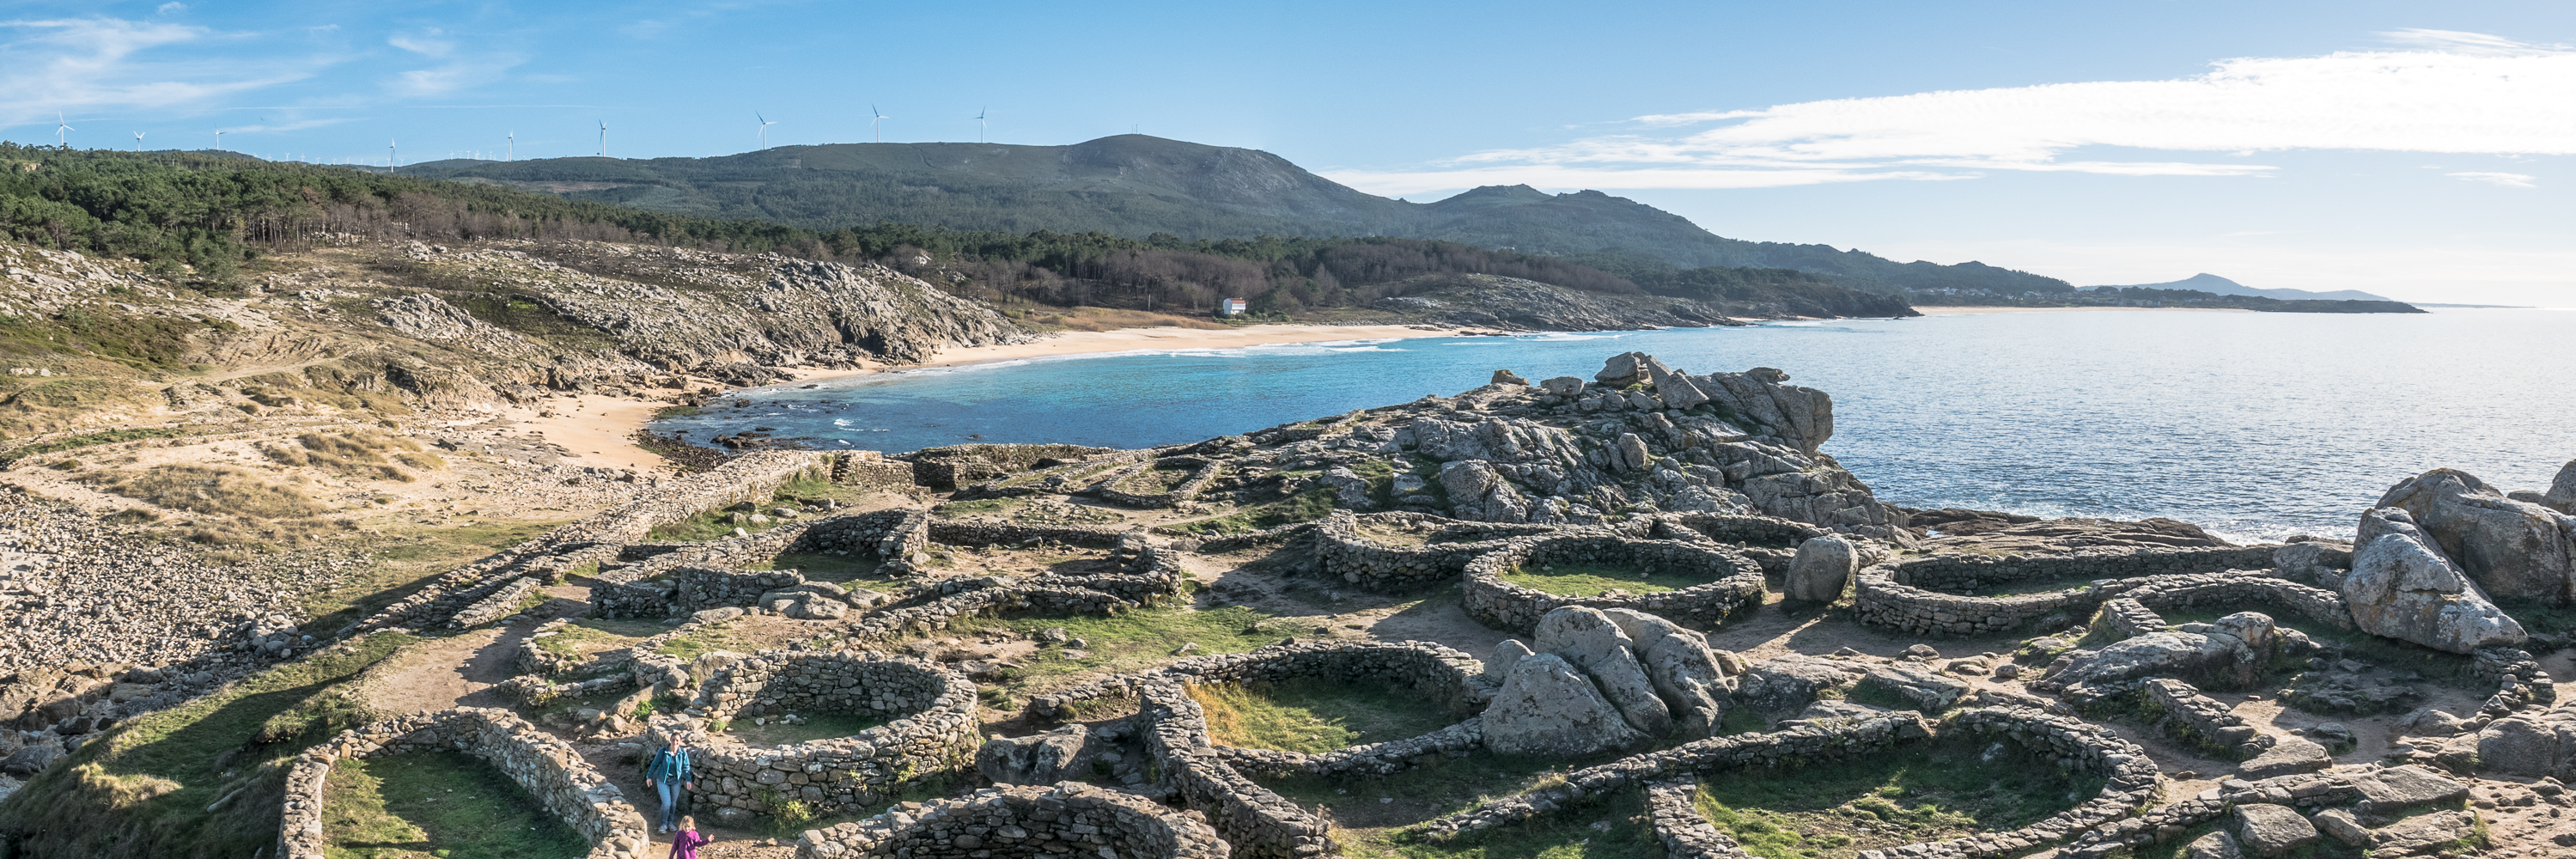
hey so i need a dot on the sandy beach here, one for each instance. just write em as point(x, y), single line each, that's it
point(600, 430)
point(1955, 311)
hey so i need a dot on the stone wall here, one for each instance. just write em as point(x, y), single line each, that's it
point(695, 588)
point(1109, 488)
point(500, 603)
point(1341, 552)
point(958, 465)
point(2131, 782)
point(933, 730)
point(1258, 823)
point(600, 537)
point(547, 768)
point(1930, 595)
point(2127, 618)
point(1733, 580)
point(2202, 720)
point(2229, 591)
point(1433, 673)
point(651, 587)
point(1067, 820)
point(1685, 833)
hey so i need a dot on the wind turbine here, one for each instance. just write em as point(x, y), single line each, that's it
point(138, 141)
point(391, 166)
point(219, 140)
point(61, 126)
point(980, 125)
point(765, 123)
point(513, 150)
point(879, 122)
point(603, 138)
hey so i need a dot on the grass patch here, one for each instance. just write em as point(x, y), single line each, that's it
point(976, 507)
point(1378, 817)
point(144, 789)
point(212, 489)
point(1922, 792)
point(1135, 639)
point(698, 642)
point(437, 803)
point(820, 567)
point(1306, 506)
point(357, 454)
point(1311, 715)
point(408, 560)
point(90, 440)
point(1592, 580)
point(717, 524)
point(577, 640)
point(818, 726)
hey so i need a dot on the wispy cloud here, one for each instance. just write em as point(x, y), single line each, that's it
point(459, 69)
point(79, 65)
point(2444, 92)
point(2508, 180)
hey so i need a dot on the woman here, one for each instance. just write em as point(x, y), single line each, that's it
point(685, 844)
point(670, 775)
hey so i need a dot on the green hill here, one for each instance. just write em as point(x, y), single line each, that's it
point(1136, 185)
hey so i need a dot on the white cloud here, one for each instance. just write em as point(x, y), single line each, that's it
point(81, 65)
point(2451, 92)
point(462, 69)
point(2507, 180)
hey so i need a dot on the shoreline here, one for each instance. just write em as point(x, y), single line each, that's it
point(1955, 310)
point(600, 430)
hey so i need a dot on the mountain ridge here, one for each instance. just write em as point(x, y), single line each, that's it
point(1136, 185)
point(2215, 285)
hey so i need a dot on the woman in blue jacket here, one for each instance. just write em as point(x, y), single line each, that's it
point(669, 774)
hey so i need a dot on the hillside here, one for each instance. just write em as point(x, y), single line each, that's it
point(1136, 185)
point(2215, 285)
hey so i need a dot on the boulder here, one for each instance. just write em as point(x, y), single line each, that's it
point(2431, 832)
point(1630, 453)
point(2512, 549)
point(1040, 759)
point(27, 762)
point(1563, 386)
point(2340, 825)
point(1587, 639)
point(2315, 562)
point(2166, 654)
point(1507, 377)
point(1822, 569)
point(2403, 787)
point(2272, 830)
point(1478, 494)
point(1835, 709)
point(719, 614)
point(1547, 708)
point(1676, 388)
point(1624, 369)
point(2214, 845)
point(2522, 746)
point(1784, 685)
point(1923, 689)
point(2562, 491)
point(1350, 490)
point(2288, 756)
point(1507, 654)
point(1684, 670)
point(2402, 587)
point(708, 664)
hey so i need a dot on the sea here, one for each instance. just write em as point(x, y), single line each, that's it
point(2253, 425)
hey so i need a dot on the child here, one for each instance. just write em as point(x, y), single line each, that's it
point(684, 844)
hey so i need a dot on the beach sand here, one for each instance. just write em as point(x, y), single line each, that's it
point(600, 430)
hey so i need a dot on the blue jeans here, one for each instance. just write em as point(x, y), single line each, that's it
point(670, 801)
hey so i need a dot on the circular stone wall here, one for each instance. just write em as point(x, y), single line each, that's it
point(1932, 595)
point(1023, 823)
point(933, 730)
point(1732, 580)
point(1344, 552)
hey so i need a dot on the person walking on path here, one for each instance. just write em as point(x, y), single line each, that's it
point(685, 844)
point(670, 775)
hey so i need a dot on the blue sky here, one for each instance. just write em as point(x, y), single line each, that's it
point(2417, 150)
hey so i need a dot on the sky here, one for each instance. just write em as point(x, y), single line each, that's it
point(2414, 150)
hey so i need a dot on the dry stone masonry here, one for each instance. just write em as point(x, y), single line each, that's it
point(1022, 823)
point(933, 730)
point(1733, 581)
point(547, 768)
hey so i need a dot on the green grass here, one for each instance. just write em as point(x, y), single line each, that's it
point(698, 642)
point(437, 803)
point(407, 560)
point(1311, 715)
point(568, 639)
point(143, 790)
point(1306, 506)
point(818, 726)
point(1922, 792)
point(1135, 639)
point(1380, 817)
point(1592, 580)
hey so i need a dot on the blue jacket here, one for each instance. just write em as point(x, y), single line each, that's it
point(669, 766)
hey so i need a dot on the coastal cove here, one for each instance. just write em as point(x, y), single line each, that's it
point(2254, 425)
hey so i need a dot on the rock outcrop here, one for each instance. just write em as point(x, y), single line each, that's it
point(1546, 707)
point(2402, 586)
point(2513, 549)
point(1691, 678)
point(1655, 674)
point(2232, 652)
point(1586, 639)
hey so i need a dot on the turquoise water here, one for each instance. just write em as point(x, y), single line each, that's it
point(2251, 424)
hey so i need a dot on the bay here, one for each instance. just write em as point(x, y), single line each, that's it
point(2255, 425)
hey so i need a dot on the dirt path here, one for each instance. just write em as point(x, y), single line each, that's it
point(460, 670)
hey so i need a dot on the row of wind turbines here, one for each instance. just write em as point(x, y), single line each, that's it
point(393, 152)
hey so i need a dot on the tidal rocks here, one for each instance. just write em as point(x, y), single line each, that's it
point(2514, 549)
point(1822, 569)
point(2402, 587)
point(1546, 707)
